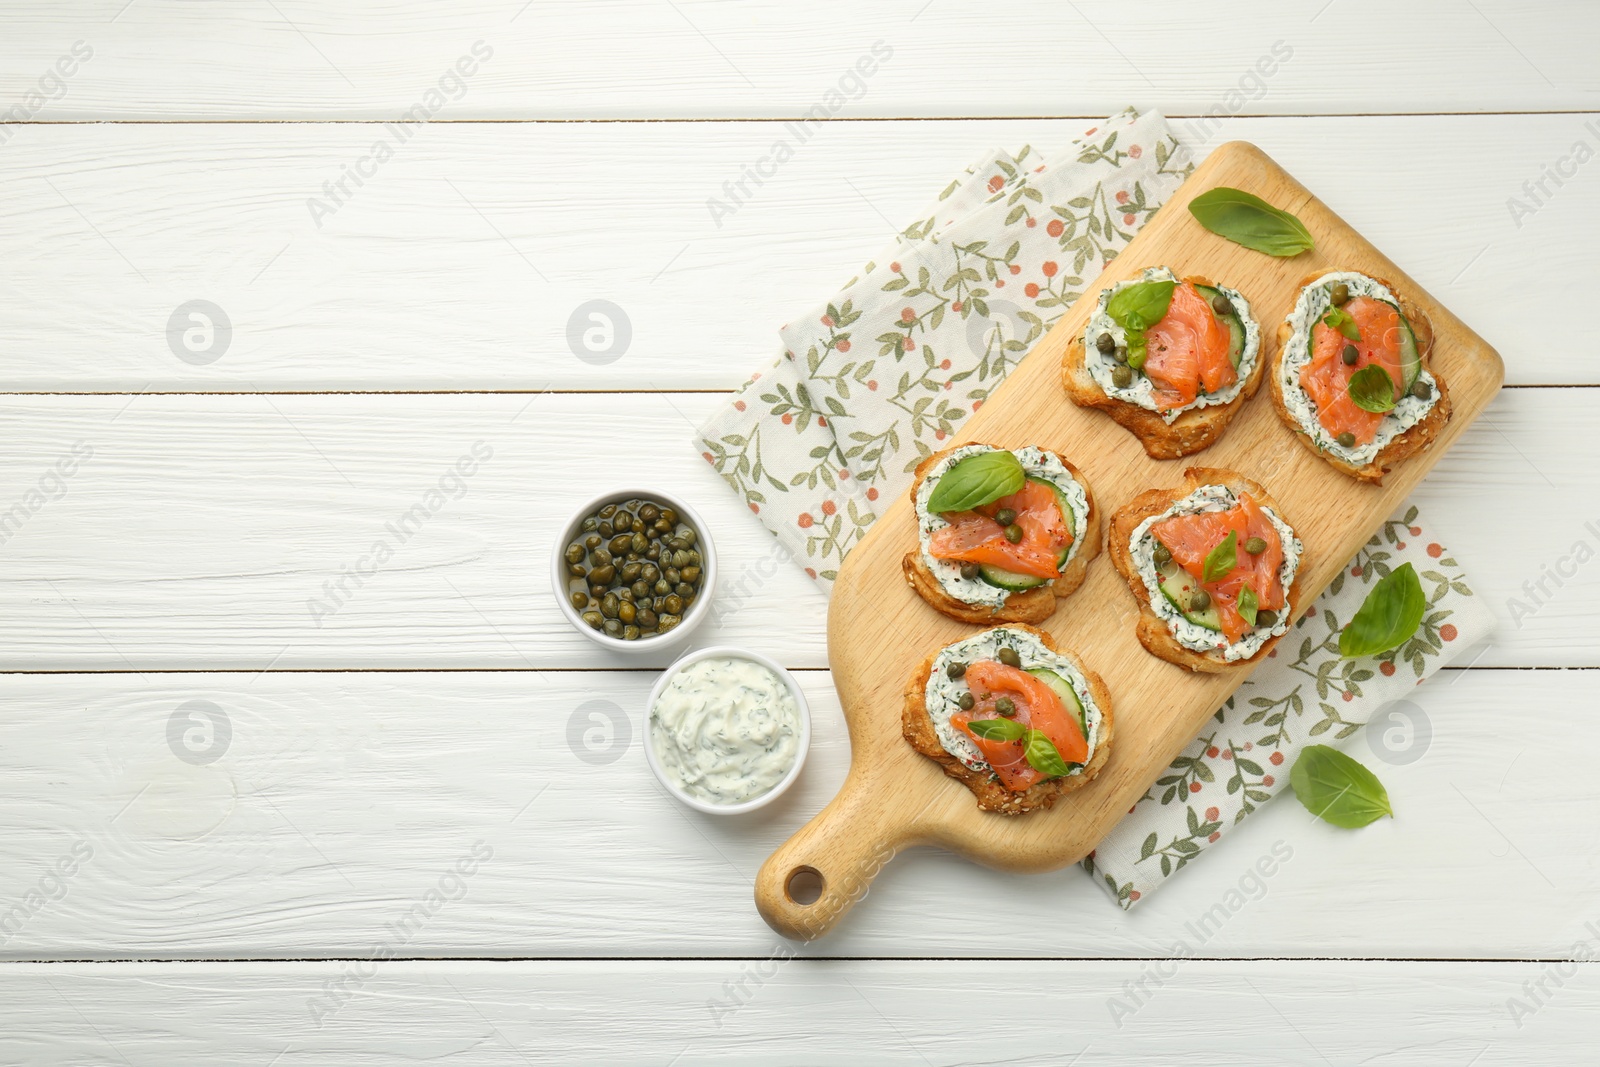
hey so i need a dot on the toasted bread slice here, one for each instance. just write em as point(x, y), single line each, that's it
point(1031, 605)
point(1153, 632)
point(1414, 440)
point(991, 794)
point(1191, 431)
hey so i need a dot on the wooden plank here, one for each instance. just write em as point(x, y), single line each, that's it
point(293, 59)
point(203, 528)
point(336, 801)
point(879, 629)
point(461, 263)
point(764, 1011)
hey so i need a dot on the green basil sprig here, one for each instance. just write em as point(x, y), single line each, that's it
point(1136, 308)
point(998, 729)
point(1371, 389)
point(977, 480)
point(1388, 617)
point(1337, 789)
point(1249, 220)
point(1044, 757)
point(1248, 604)
point(1221, 560)
point(1341, 320)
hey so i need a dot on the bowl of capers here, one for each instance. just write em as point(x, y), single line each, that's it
point(634, 570)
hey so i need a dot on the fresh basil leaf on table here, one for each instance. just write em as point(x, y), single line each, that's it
point(1248, 220)
point(1388, 617)
point(1337, 789)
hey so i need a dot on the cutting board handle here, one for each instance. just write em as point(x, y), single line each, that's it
point(844, 847)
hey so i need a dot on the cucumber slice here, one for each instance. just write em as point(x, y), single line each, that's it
point(1064, 692)
point(1177, 588)
point(1008, 579)
point(1410, 358)
point(1232, 321)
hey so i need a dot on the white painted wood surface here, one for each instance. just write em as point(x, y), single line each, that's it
point(460, 262)
point(175, 562)
point(799, 1012)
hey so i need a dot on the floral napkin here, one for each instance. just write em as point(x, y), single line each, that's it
point(872, 380)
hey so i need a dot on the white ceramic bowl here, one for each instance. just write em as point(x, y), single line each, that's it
point(800, 751)
point(708, 565)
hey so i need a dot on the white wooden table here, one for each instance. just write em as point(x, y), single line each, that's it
point(257, 890)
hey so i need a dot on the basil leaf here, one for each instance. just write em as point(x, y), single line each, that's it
point(1339, 319)
point(998, 729)
point(1248, 604)
point(977, 480)
point(1388, 617)
point(1044, 757)
point(1221, 560)
point(1337, 789)
point(1371, 389)
point(1139, 306)
point(1251, 221)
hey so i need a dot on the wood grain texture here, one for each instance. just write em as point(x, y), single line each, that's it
point(770, 1010)
point(295, 59)
point(408, 286)
point(203, 526)
point(879, 630)
point(339, 799)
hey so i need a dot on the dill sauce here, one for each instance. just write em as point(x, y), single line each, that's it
point(725, 729)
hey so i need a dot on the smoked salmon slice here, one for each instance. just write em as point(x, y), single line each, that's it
point(1190, 538)
point(975, 536)
point(1037, 708)
point(1187, 351)
point(1326, 379)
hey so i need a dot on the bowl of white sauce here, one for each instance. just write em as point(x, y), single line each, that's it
point(727, 730)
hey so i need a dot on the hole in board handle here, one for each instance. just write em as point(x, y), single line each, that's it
point(804, 886)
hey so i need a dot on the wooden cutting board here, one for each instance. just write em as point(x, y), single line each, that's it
point(879, 631)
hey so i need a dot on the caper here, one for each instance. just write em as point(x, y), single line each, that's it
point(1006, 706)
point(694, 557)
point(603, 575)
point(580, 599)
point(677, 544)
point(620, 543)
point(594, 619)
point(626, 612)
point(691, 574)
point(680, 559)
point(600, 557)
point(608, 511)
point(630, 633)
point(1105, 343)
point(624, 595)
point(649, 513)
point(577, 570)
point(653, 552)
point(613, 628)
point(1421, 389)
point(660, 526)
point(638, 526)
point(594, 540)
point(1161, 554)
point(1014, 533)
point(645, 618)
point(1346, 439)
point(1266, 619)
point(673, 576)
point(604, 529)
point(622, 520)
point(1120, 355)
point(574, 553)
point(608, 605)
point(1255, 546)
point(969, 571)
point(649, 572)
point(631, 572)
point(1350, 355)
point(672, 604)
point(667, 622)
point(640, 589)
point(639, 542)
point(955, 670)
point(1199, 600)
point(1121, 376)
point(688, 536)
point(589, 524)
point(662, 587)
point(1005, 516)
point(966, 702)
point(1009, 657)
point(1221, 305)
point(686, 591)
point(670, 515)
point(1340, 295)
